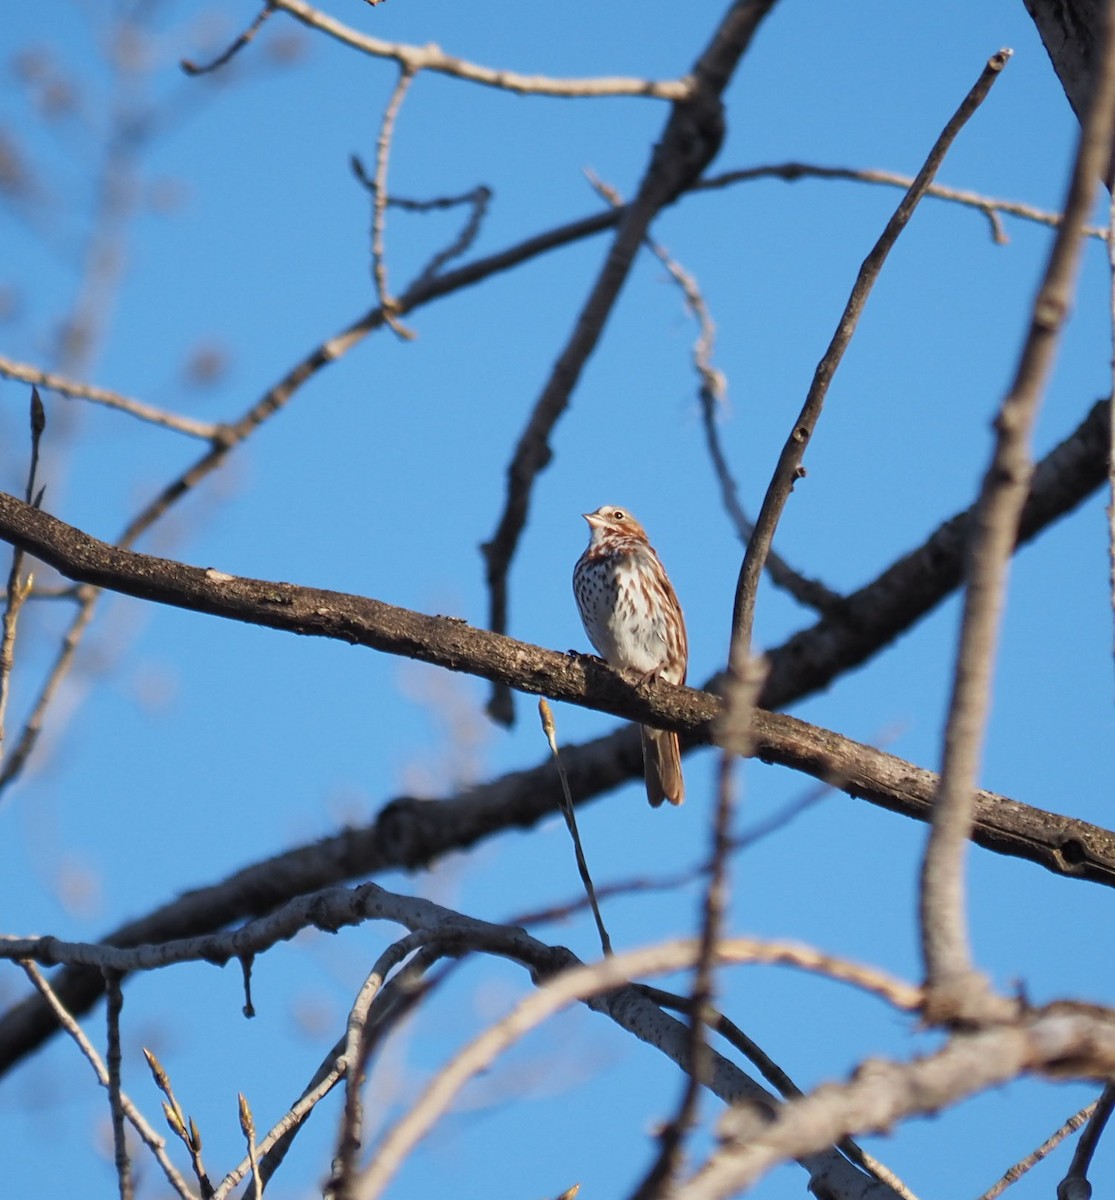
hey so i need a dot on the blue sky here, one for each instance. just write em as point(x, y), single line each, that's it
point(183, 747)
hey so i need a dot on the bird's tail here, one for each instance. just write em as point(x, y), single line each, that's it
point(662, 766)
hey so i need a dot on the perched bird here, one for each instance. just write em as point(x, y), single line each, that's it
point(633, 618)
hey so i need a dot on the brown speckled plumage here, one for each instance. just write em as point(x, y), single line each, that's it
point(634, 621)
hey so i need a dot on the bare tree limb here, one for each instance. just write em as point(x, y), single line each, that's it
point(234, 48)
point(433, 58)
point(113, 1060)
point(386, 301)
point(942, 910)
point(427, 288)
point(357, 1044)
point(1075, 1185)
point(1059, 1041)
point(26, 373)
point(1059, 843)
point(1072, 32)
point(777, 1078)
point(990, 206)
point(604, 985)
point(600, 981)
point(1014, 1173)
point(155, 1143)
point(788, 469)
point(19, 588)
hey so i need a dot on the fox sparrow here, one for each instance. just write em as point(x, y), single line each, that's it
point(633, 618)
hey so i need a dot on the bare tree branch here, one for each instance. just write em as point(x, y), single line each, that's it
point(357, 1044)
point(942, 909)
point(1075, 1185)
point(546, 714)
point(26, 373)
point(1014, 1173)
point(990, 206)
point(1059, 1041)
point(1072, 32)
point(386, 301)
point(113, 1060)
point(711, 393)
point(788, 469)
point(19, 588)
point(1074, 846)
point(234, 48)
point(226, 437)
point(155, 1143)
point(599, 981)
point(433, 58)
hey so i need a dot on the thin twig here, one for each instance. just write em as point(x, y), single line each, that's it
point(155, 1143)
point(19, 589)
point(183, 1127)
point(284, 1130)
point(433, 58)
point(789, 467)
point(113, 1059)
point(665, 1169)
point(712, 391)
point(1014, 1174)
point(956, 989)
point(810, 592)
point(915, 583)
point(357, 1043)
point(547, 716)
point(662, 1172)
point(387, 302)
point(477, 200)
point(273, 1147)
point(192, 68)
point(1075, 1185)
point(666, 883)
point(26, 373)
point(248, 1128)
point(988, 205)
point(29, 735)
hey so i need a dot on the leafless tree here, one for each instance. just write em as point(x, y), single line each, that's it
point(984, 1036)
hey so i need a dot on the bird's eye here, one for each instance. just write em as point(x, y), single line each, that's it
point(619, 515)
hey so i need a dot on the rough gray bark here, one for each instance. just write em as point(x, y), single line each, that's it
point(1072, 33)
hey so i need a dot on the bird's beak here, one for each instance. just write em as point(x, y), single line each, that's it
point(592, 519)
